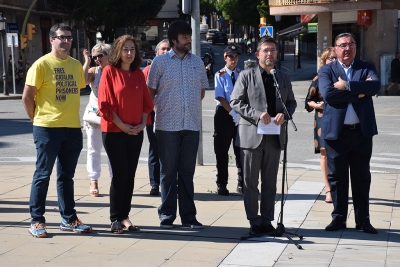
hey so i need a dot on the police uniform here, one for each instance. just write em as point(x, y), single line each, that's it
point(224, 126)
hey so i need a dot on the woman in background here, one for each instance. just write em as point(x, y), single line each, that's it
point(93, 132)
point(315, 101)
point(124, 103)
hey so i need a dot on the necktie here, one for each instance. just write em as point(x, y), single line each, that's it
point(233, 78)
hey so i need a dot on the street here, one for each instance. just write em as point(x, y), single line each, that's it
point(17, 147)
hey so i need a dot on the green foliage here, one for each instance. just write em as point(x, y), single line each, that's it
point(242, 12)
point(263, 9)
point(207, 6)
point(125, 13)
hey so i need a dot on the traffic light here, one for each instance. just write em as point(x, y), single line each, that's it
point(23, 41)
point(30, 30)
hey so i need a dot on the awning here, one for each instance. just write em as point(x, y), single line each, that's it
point(297, 29)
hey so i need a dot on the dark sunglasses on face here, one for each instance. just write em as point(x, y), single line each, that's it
point(98, 56)
point(63, 38)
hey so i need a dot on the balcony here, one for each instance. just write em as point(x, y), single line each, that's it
point(299, 7)
point(300, 2)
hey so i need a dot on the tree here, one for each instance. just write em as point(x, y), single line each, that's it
point(93, 13)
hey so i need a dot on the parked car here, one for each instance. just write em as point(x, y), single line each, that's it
point(210, 34)
point(207, 55)
point(220, 37)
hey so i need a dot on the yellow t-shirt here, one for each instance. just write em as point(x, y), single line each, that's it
point(58, 97)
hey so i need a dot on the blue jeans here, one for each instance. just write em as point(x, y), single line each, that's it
point(65, 145)
point(177, 152)
point(154, 162)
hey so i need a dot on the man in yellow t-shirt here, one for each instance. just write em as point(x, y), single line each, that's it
point(52, 99)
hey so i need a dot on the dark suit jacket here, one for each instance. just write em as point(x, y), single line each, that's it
point(336, 101)
point(249, 100)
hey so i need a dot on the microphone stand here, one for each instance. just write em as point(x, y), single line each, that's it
point(280, 230)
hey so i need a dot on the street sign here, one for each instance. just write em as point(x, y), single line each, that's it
point(266, 31)
point(10, 41)
point(312, 27)
point(12, 27)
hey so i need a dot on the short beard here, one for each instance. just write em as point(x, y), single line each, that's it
point(269, 63)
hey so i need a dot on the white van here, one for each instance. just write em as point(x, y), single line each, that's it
point(203, 28)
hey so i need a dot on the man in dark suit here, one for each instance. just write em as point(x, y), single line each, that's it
point(349, 124)
point(254, 98)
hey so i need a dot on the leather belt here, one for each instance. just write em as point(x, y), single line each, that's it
point(351, 126)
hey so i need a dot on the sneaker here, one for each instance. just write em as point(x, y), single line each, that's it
point(38, 230)
point(75, 226)
point(166, 224)
point(155, 190)
point(222, 190)
point(193, 224)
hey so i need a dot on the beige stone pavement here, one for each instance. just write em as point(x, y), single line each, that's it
point(218, 244)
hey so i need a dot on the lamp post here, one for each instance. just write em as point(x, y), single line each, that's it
point(280, 57)
point(2, 32)
point(298, 45)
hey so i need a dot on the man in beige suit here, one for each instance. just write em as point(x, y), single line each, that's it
point(254, 98)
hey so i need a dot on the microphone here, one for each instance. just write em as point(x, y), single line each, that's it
point(273, 71)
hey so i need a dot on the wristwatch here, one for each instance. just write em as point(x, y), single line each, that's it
point(346, 86)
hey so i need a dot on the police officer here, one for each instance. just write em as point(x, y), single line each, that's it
point(226, 121)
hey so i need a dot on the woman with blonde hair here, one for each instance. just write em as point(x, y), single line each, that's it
point(94, 141)
point(315, 101)
point(124, 103)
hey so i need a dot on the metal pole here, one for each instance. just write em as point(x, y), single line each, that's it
point(5, 89)
point(12, 58)
point(298, 54)
point(195, 21)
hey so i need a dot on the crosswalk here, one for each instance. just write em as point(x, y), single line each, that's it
point(380, 163)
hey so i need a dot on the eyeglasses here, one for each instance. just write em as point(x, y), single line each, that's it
point(272, 51)
point(98, 56)
point(349, 45)
point(63, 38)
point(331, 58)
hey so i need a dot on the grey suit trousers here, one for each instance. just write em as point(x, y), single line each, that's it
point(264, 158)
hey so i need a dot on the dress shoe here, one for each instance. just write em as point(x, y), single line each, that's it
point(334, 226)
point(366, 227)
point(222, 190)
point(155, 190)
point(255, 230)
point(267, 229)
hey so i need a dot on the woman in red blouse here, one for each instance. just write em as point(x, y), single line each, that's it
point(125, 103)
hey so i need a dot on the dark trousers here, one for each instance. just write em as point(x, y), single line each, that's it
point(153, 161)
point(351, 149)
point(224, 133)
point(123, 151)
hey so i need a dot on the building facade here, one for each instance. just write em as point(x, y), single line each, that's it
point(375, 24)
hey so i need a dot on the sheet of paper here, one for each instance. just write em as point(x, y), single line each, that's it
point(270, 128)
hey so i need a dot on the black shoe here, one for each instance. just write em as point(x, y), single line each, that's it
point(334, 226)
point(239, 189)
point(166, 224)
point(193, 224)
point(222, 190)
point(255, 230)
point(386, 92)
point(366, 227)
point(268, 229)
point(155, 190)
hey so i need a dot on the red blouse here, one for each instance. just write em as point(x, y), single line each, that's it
point(126, 94)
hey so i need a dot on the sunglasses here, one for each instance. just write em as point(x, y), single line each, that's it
point(63, 38)
point(98, 56)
